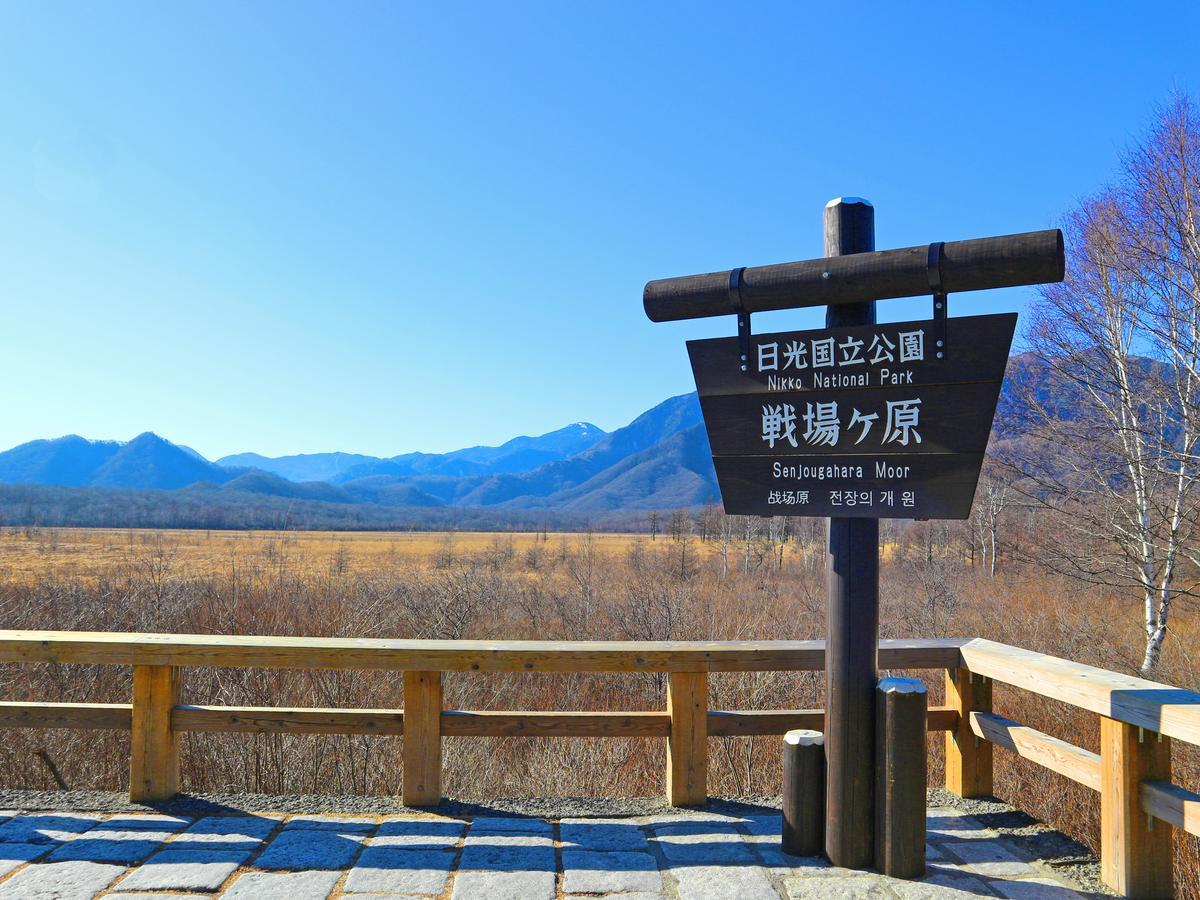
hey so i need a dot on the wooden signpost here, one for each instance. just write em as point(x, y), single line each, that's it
point(857, 421)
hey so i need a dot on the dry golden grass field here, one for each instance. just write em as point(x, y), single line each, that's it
point(27, 555)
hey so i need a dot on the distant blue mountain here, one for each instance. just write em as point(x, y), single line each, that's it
point(517, 455)
point(300, 467)
point(147, 461)
point(659, 460)
point(70, 461)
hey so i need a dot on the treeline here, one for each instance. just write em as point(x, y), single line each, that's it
point(54, 507)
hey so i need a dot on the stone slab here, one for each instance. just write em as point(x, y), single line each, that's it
point(145, 822)
point(979, 851)
point(226, 829)
point(503, 886)
point(764, 825)
point(602, 834)
point(419, 834)
point(660, 820)
point(102, 845)
point(310, 849)
point(941, 883)
point(42, 827)
point(280, 886)
point(703, 843)
point(723, 883)
point(174, 869)
point(400, 870)
point(348, 824)
point(507, 853)
point(74, 880)
point(1035, 889)
point(213, 841)
point(837, 887)
point(13, 856)
point(510, 825)
point(939, 828)
point(591, 872)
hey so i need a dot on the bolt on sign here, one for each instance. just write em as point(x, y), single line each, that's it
point(859, 422)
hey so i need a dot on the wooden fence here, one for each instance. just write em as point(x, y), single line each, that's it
point(1138, 718)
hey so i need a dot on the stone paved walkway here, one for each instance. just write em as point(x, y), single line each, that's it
point(134, 856)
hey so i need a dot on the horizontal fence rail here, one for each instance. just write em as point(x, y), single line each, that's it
point(451, 656)
point(1132, 772)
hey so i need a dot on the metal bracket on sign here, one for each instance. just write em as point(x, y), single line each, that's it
point(940, 301)
point(743, 317)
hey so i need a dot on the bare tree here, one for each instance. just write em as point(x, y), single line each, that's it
point(992, 497)
point(680, 524)
point(708, 521)
point(1112, 434)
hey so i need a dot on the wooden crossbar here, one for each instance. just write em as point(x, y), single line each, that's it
point(115, 716)
point(454, 722)
point(451, 656)
point(1079, 765)
point(1172, 804)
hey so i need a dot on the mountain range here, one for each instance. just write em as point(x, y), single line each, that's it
point(659, 460)
point(576, 474)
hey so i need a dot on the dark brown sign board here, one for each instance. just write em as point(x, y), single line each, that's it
point(862, 422)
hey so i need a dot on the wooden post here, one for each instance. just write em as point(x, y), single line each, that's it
point(422, 784)
point(852, 571)
point(1135, 849)
point(687, 747)
point(968, 758)
point(154, 747)
point(803, 793)
point(901, 777)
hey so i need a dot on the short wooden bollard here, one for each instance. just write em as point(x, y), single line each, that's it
point(901, 706)
point(803, 792)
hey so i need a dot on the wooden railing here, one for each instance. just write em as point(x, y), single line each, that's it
point(1132, 772)
point(157, 714)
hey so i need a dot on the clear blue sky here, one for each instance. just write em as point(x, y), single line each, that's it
point(382, 227)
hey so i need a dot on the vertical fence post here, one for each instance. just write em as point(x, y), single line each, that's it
point(901, 776)
point(1135, 849)
point(154, 747)
point(687, 747)
point(422, 739)
point(968, 758)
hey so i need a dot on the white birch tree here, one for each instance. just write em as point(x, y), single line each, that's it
point(1112, 432)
